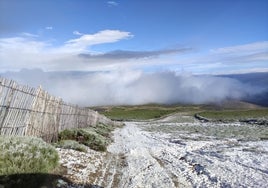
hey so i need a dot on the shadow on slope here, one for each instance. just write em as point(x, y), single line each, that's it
point(38, 181)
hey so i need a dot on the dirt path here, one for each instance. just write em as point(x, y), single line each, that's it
point(171, 153)
point(143, 168)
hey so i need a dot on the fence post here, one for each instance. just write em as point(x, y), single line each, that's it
point(11, 86)
point(58, 119)
point(33, 113)
point(28, 118)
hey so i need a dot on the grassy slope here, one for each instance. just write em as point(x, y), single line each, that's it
point(229, 110)
point(235, 114)
point(145, 112)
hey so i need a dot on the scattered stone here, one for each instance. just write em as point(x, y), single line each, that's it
point(198, 169)
point(182, 158)
point(177, 142)
point(61, 183)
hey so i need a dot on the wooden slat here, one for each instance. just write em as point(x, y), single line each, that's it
point(34, 112)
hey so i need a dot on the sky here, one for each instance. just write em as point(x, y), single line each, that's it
point(168, 38)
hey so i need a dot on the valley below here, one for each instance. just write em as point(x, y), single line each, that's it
point(176, 151)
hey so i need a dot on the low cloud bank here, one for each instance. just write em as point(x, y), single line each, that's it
point(135, 87)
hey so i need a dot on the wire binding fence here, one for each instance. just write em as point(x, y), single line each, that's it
point(27, 111)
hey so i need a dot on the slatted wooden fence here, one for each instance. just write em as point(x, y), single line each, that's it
point(34, 112)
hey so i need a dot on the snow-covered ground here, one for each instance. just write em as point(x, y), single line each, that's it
point(177, 152)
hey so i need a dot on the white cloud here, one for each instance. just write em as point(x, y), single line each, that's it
point(135, 87)
point(32, 53)
point(122, 79)
point(49, 28)
point(20, 44)
point(25, 34)
point(112, 3)
point(233, 59)
point(246, 71)
point(86, 40)
point(77, 33)
point(242, 57)
point(252, 47)
point(28, 51)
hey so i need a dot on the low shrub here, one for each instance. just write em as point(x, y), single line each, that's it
point(71, 144)
point(68, 134)
point(20, 155)
point(94, 140)
point(97, 138)
point(104, 130)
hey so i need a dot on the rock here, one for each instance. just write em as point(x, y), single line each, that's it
point(198, 169)
point(61, 183)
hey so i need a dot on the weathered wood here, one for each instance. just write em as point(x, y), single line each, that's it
point(8, 99)
point(34, 112)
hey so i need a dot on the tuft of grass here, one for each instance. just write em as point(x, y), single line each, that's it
point(20, 155)
point(97, 138)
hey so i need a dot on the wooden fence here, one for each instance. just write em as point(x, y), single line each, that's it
point(34, 112)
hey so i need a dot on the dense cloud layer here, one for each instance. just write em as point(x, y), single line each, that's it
point(135, 87)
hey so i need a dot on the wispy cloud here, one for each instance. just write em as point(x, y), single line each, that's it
point(246, 48)
point(77, 33)
point(25, 34)
point(86, 40)
point(122, 54)
point(21, 44)
point(49, 28)
point(243, 55)
point(240, 58)
point(112, 3)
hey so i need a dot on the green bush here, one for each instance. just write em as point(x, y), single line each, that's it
point(21, 155)
point(97, 138)
point(94, 140)
point(71, 144)
point(68, 134)
point(103, 130)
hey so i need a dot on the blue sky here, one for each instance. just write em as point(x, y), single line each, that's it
point(102, 52)
point(200, 37)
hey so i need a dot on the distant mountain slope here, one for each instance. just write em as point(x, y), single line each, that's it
point(234, 104)
point(260, 78)
point(254, 79)
point(261, 99)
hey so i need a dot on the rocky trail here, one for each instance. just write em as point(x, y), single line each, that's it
point(174, 153)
